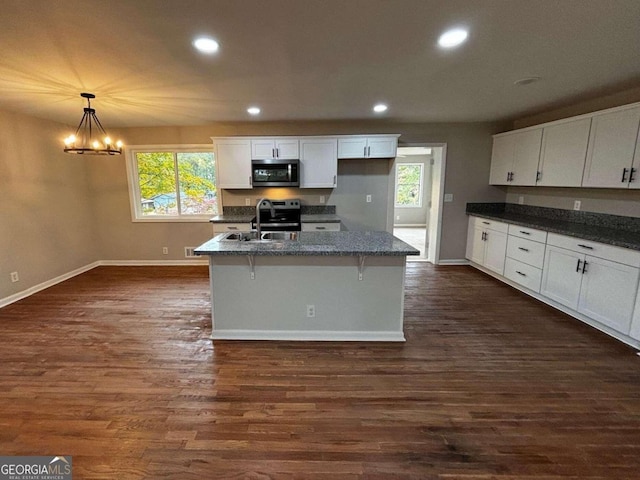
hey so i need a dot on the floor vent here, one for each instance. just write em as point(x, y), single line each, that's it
point(188, 252)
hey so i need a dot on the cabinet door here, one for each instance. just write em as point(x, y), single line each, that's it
point(502, 159)
point(262, 148)
point(382, 147)
point(608, 292)
point(612, 143)
point(560, 280)
point(495, 251)
point(475, 242)
point(634, 331)
point(287, 148)
point(634, 182)
point(526, 156)
point(233, 162)
point(354, 147)
point(318, 162)
point(564, 150)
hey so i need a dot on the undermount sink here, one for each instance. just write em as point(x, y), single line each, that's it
point(264, 237)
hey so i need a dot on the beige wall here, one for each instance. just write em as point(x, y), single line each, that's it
point(467, 177)
point(46, 219)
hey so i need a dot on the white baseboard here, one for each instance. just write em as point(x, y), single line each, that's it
point(110, 263)
point(454, 261)
point(308, 335)
point(152, 263)
point(49, 283)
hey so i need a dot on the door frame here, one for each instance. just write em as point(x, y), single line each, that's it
point(434, 225)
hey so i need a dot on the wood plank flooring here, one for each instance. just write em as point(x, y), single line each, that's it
point(115, 368)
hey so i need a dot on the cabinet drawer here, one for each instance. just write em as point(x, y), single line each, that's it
point(489, 224)
point(523, 274)
point(527, 251)
point(231, 227)
point(595, 249)
point(321, 227)
point(530, 233)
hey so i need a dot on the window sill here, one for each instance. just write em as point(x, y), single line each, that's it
point(173, 219)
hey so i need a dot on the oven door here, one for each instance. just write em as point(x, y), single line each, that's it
point(275, 173)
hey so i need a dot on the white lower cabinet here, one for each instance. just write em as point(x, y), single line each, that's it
point(597, 281)
point(487, 243)
point(321, 227)
point(599, 288)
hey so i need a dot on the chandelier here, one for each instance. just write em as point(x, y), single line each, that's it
point(90, 137)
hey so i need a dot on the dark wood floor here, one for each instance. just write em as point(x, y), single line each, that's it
point(115, 368)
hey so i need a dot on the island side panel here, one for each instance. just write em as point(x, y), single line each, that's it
point(274, 304)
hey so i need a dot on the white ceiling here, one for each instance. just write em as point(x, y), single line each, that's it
point(310, 59)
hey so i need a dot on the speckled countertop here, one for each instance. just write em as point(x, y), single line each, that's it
point(608, 229)
point(315, 243)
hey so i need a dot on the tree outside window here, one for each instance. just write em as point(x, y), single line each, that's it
point(409, 179)
point(175, 183)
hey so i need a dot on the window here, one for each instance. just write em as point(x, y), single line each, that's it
point(172, 183)
point(409, 177)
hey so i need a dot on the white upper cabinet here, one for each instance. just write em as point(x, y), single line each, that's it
point(286, 148)
point(564, 150)
point(233, 162)
point(515, 156)
point(374, 146)
point(612, 143)
point(318, 162)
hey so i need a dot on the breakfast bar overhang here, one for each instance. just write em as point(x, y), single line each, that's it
point(331, 286)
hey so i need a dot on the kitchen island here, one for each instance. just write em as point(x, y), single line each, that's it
point(321, 286)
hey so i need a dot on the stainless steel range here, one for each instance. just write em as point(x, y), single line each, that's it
point(277, 215)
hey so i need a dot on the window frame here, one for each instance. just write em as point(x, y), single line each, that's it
point(135, 198)
point(420, 186)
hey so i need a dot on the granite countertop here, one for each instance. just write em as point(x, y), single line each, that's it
point(608, 229)
point(315, 243)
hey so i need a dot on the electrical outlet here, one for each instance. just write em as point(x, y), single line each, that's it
point(311, 311)
point(165, 250)
point(247, 202)
point(448, 197)
point(14, 277)
point(368, 198)
point(321, 198)
point(577, 204)
point(397, 217)
point(521, 200)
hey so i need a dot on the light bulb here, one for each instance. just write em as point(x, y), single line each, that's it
point(107, 141)
point(96, 144)
point(119, 144)
point(70, 140)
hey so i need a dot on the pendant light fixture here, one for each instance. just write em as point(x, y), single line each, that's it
point(90, 137)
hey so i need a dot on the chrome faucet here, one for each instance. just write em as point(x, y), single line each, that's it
point(273, 214)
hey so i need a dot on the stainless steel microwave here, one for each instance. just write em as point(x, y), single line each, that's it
point(274, 172)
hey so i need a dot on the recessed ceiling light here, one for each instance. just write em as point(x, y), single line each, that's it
point(253, 110)
point(526, 80)
point(206, 45)
point(453, 38)
point(379, 108)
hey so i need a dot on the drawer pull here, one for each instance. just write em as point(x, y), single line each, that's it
point(321, 228)
point(525, 233)
point(523, 249)
point(585, 246)
point(232, 228)
point(487, 223)
point(520, 273)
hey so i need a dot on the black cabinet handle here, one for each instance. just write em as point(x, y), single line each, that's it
point(523, 249)
point(578, 266)
point(633, 172)
point(520, 273)
point(487, 223)
point(538, 174)
point(585, 246)
point(624, 174)
point(524, 233)
point(584, 267)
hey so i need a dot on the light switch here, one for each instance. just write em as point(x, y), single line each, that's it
point(448, 197)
